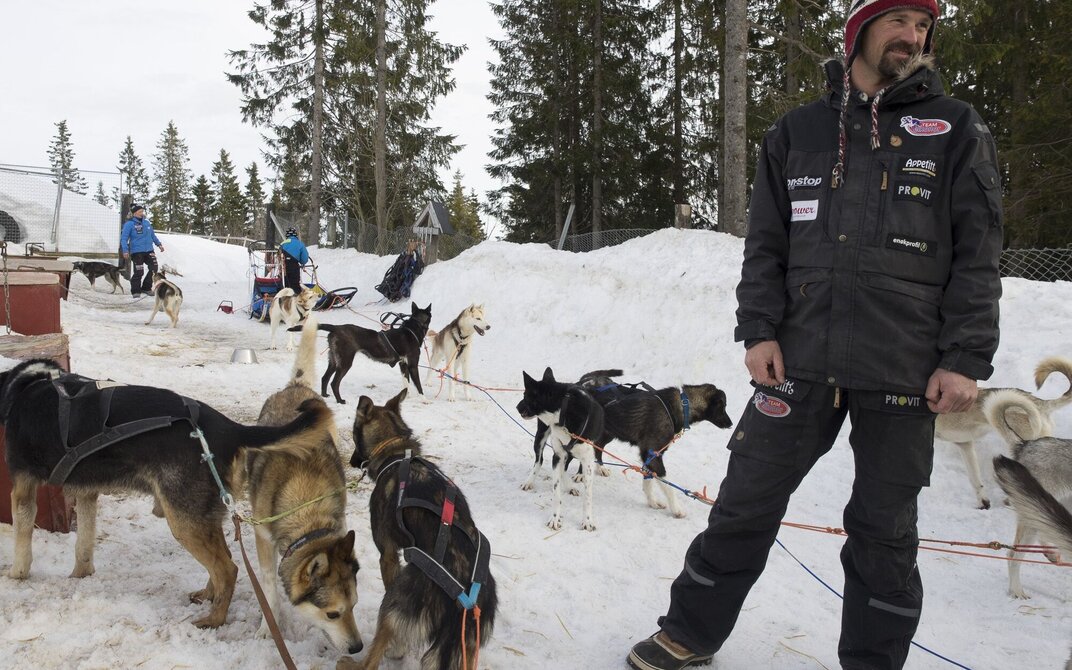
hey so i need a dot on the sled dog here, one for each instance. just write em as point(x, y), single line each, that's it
point(315, 552)
point(453, 345)
point(589, 380)
point(963, 428)
point(401, 345)
point(568, 410)
point(417, 510)
point(1048, 459)
point(166, 296)
point(650, 419)
point(95, 269)
point(55, 423)
point(1035, 507)
point(290, 309)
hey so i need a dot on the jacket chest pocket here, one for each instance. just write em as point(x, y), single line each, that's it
point(909, 196)
point(807, 183)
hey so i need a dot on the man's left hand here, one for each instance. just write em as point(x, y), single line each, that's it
point(949, 391)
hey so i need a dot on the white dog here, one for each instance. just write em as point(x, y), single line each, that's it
point(454, 345)
point(963, 428)
point(166, 296)
point(290, 309)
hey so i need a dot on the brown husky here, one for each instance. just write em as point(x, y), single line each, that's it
point(417, 510)
point(316, 553)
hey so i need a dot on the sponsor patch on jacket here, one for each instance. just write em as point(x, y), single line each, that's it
point(915, 192)
point(904, 401)
point(794, 183)
point(920, 167)
point(925, 127)
point(804, 210)
point(788, 388)
point(770, 406)
point(910, 244)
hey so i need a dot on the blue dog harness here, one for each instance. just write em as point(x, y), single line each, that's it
point(432, 564)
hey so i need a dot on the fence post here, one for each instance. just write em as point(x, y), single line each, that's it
point(566, 226)
point(683, 216)
point(59, 202)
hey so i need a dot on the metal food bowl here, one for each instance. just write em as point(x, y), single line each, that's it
point(244, 356)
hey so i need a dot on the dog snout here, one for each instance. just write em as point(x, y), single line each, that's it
point(356, 647)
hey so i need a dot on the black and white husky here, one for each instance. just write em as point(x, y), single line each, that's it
point(568, 410)
point(166, 296)
point(93, 270)
point(453, 345)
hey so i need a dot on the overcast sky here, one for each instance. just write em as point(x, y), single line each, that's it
point(114, 68)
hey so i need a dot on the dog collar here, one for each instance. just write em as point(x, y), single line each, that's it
point(306, 539)
point(684, 411)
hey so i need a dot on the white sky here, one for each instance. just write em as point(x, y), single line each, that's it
point(114, 68)
point(659, 307)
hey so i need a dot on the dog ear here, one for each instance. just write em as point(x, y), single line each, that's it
point(346, 545)
point(548, 375)
point(529, 381)
point(363, 406)
point(317, 566)
point(393, 403)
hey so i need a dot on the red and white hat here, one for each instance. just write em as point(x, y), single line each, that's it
point(863, 11)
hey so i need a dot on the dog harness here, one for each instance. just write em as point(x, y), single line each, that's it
point(89, 400)
point(397, 322)
point(432, 564)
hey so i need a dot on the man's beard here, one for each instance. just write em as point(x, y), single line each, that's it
point(889, 66)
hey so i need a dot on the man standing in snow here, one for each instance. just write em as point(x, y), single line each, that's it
point(137, 240)
point(295, 256)
point(869, 289)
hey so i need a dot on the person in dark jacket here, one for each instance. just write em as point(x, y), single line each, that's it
point(869, 290)
point(295, 257)
point(136, 241)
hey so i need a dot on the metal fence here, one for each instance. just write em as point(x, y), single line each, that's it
point(371, 240)
point(604, 238)
point(39, 215)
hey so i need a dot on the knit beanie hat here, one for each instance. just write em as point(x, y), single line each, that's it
point(862, 12)
point(291, 232)
point(134, 208)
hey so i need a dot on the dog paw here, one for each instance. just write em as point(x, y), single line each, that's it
point(1019, 594)
point(588, 525)
point(18, 573)
point(680, 514)
point(984, 503)
point(198, 597)
point(574, 492)
point(603, 471)
point(527, 486)
point(146, 323)
point(578, 478)
point(655, 504)
point(210, 621)
point(81, 571)
point(1052, 555)
point(263, 633)
point(555, 522)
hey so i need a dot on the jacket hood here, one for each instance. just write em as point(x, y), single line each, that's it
point(917, 79)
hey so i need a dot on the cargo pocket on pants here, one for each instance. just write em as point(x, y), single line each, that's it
point(773, 424)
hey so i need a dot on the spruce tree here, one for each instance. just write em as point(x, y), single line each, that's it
point(200, 221)
point(254, 200)
point(171, 202)
point(464, 210)
point(133, 175)
point(100, 196)
point(226, 211)
point(61, 159)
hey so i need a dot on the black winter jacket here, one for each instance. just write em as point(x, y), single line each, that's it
point(875, 284)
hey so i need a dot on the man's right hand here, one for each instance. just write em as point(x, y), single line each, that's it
point(126, 254)
point(764, 363)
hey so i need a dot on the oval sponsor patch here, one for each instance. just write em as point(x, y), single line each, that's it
point(770, 406)
point(925, 127)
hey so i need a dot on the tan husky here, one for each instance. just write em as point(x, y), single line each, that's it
point(315, 552)
point(166, 296)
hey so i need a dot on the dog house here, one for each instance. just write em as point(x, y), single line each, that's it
point(433, 222)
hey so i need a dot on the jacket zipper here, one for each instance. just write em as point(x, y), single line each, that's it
point(883, 187)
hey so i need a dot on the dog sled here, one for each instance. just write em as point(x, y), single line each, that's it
point(266, 280)
point(398, 280)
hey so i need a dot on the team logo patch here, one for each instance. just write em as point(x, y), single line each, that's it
point(804, 210)
point(913, 192)
point(925, 127)
point(786, 388)
point(902, 401)
point(910, 245)
point(770, 406)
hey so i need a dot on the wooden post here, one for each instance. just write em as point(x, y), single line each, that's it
point(683, 216)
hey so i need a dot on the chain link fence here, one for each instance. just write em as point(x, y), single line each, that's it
point(604, 238)
point(1037, 264)
point(39, 215)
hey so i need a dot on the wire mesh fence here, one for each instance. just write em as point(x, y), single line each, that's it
point(39, 215)
point(604, 238)
point(1037, 264)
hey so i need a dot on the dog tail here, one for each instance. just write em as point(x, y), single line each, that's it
point(300, 437)
point(1045, 369)
point(431, 334)
point(305, 363)
point(1015, 417)
point(598, 374)
point(1034, 505)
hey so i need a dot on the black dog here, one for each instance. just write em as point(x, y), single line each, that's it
point(568, 410)
point(95, 437)
point(94, 269)
point(590, 380)
point(417, 510)
point(401, 345)
point(650, 419)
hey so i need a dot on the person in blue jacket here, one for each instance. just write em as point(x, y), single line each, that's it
point(295, 256)
point(136, 241)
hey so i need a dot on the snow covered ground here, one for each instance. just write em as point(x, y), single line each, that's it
point(661, 308)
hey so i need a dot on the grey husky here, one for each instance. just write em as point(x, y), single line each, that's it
point(1047, 459)
point(963, 428)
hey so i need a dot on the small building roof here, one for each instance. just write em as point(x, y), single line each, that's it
point(434, 219)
